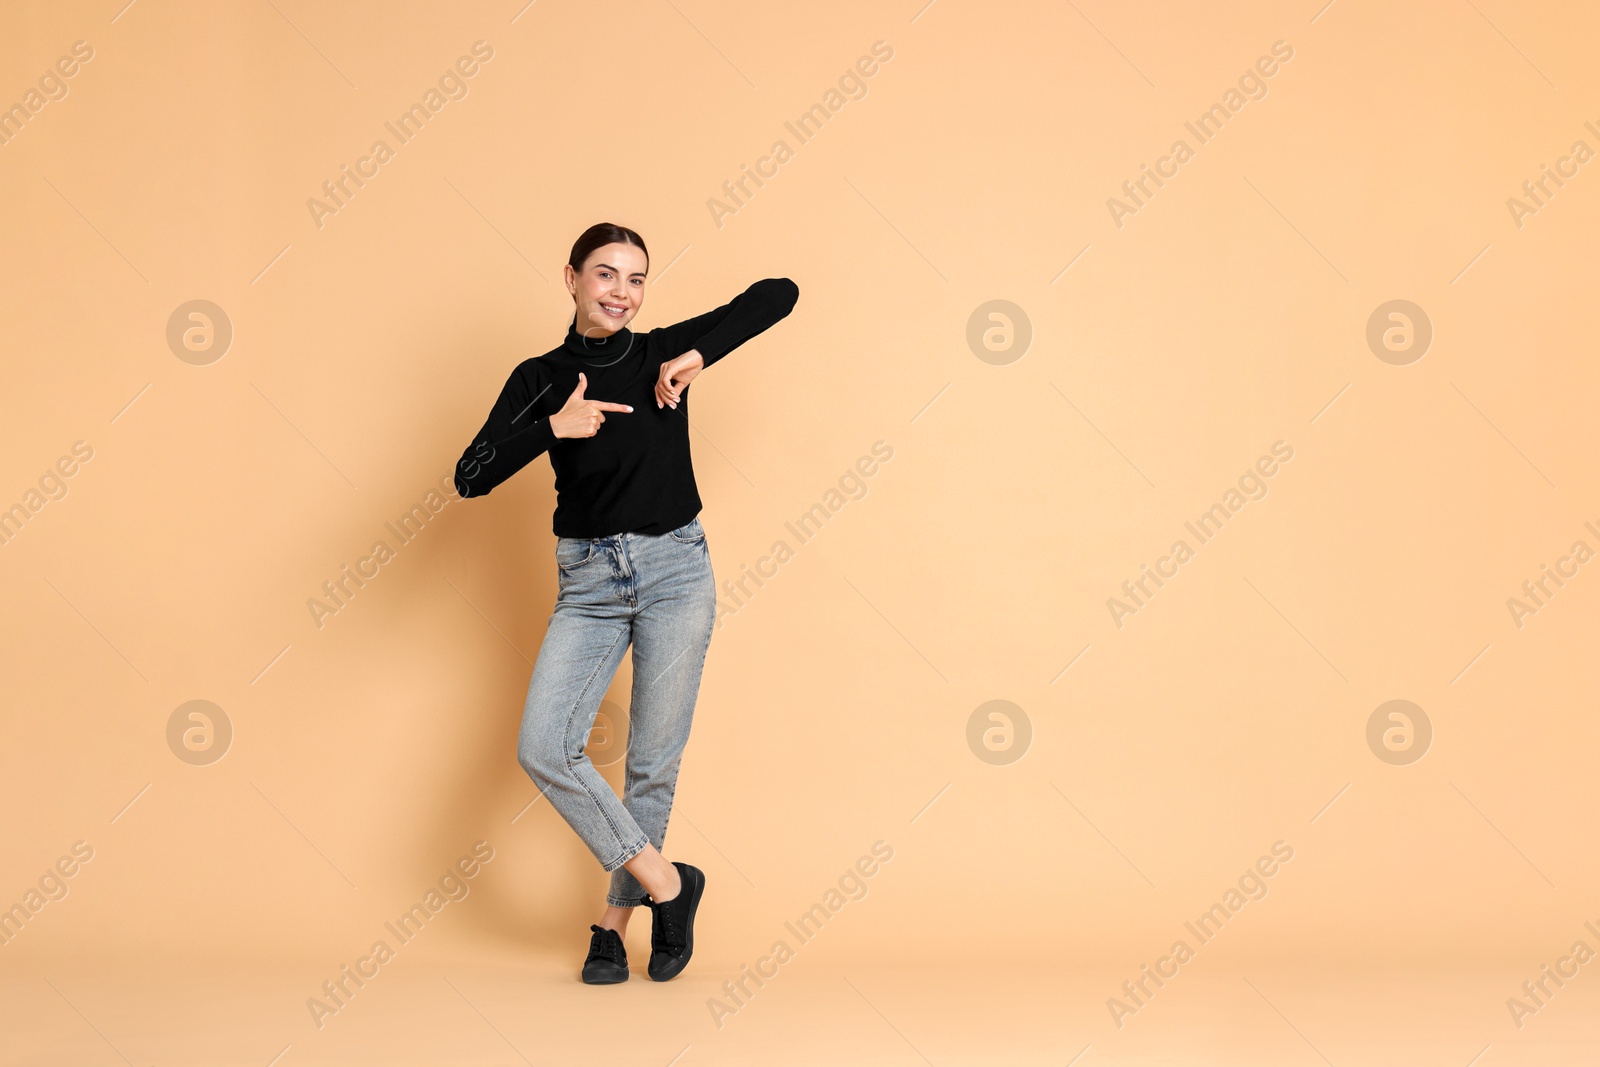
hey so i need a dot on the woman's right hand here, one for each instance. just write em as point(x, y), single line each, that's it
point(580, 417)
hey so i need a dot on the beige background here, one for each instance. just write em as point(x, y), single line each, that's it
point(1166, 755)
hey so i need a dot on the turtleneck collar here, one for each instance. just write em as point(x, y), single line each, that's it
point(606, 349)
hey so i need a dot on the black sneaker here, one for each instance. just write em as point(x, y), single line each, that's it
point(608, 960)
point(672, 928)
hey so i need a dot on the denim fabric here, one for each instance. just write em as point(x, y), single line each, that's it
point(656, 591)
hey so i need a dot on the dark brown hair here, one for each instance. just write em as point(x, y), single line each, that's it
point(598, 236)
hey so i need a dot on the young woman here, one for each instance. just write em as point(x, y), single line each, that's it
point(611, 407)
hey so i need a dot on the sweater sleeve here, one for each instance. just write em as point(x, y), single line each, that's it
point(516, 432)
point(720, 331)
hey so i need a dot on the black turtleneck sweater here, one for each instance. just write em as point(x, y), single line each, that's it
point(634, 474)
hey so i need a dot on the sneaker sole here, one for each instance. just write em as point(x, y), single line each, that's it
point(676, 967)
point(623, 977)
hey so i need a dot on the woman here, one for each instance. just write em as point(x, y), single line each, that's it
point(611, 407)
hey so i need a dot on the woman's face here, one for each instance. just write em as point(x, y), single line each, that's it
point(610, 289)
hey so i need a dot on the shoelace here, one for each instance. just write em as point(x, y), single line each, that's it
point(603, 947)
point(663, 918)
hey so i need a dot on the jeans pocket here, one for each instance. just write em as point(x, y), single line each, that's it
point(574, 552)
point(691, 533)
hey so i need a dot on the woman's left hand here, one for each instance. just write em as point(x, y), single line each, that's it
point(675, 375)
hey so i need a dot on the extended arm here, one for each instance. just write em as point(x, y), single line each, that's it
point(720, 331)
point(516, 432)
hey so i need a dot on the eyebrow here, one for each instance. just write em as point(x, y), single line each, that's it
point(607, 266)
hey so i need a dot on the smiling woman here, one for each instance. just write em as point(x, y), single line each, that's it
point(632, 567)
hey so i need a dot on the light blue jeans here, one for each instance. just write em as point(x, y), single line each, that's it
point(657, 592)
